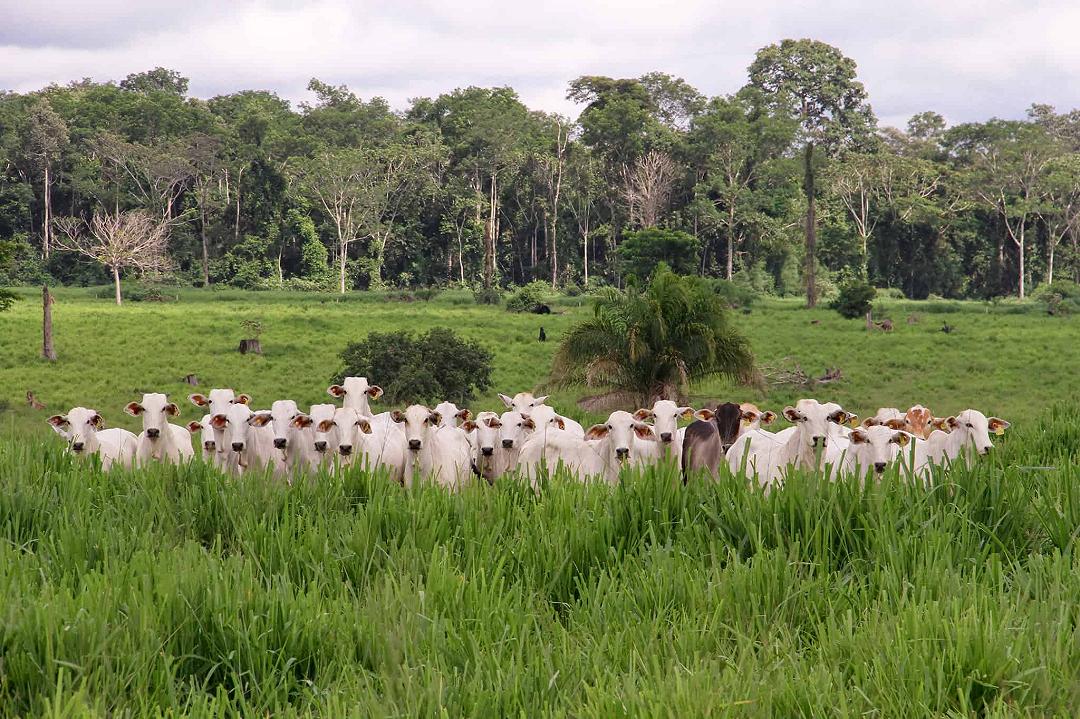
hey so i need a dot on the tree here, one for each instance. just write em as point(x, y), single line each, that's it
point(643, 251)
point(159, 79)
point(122, 240)
point(651, 343)
point(647, 187)
point(7, 259)
point(44, 137)
point(1061, 210)
point(814, 83)
point(553, 167)
point(206, 175)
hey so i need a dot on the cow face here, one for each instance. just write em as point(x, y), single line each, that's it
point(417, 422)
point(619, 432)
point(80, 427)
point(918, 420)
point(155, 410)
point(514, 429)
point(486, 426)
point(665, 416)
point(728, 420)
point(814, 419)
point(354, 388)
point(523, 402)
point(323, 441)
point(974, 429)
point(876, 446)
point(280, 418)
point(345, 429)
point(753, 418)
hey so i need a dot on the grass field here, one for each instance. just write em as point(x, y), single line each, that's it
point(177, 591)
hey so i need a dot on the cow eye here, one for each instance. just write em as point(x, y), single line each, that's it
point(970, 425)
point(609, 426)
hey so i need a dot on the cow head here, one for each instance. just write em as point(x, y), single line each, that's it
point(155, 410)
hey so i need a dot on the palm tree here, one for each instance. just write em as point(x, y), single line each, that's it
point(653, 342)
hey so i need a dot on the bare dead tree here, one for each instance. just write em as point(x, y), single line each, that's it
point(128, 240)
point(647, 187)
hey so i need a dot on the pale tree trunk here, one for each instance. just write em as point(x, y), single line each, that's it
point(1050, 264)
point(236, 226)
point(489, 237)
point(47, 350)
point(342, 256)
point(116, 284)
point(811, 228)
point(870, 319)
point(731, 242)
point(46, 229)
point(585, 253)
point(205, 248)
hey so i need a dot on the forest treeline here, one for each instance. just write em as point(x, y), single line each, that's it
point(789, 186)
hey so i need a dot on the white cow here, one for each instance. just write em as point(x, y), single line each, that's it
point(970, 435)
point(207, 438)
point(249, 438)
point(873, 448)
point(293, 445)
point(441, 453)
point(355, 393)
point(159, 440)
point(322, 443)
point(883, 416)
point(604, 451)
point(490, 458)
point(665, 416)
point(85, 433)
point(364, 445)
point(526, 403)
point(452, 416)
point(817, 427)
point(217, 402)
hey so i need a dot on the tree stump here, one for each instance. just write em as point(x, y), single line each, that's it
point(191, 380)
point(47, 350)
point(252, 346)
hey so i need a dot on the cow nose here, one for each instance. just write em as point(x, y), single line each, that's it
point(414, 444)
point(487, 451)
point(279, 443)
point(622, 452)
point(320, 446)
point(984, 451)
point(238, 446)
point(665, 436)
point(77, 446)
point(879, 467)
point(153, 433)
point(209, 446)
point(345, 449)
point(508, 444)
point(819, 440)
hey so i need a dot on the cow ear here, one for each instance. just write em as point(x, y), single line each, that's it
point(97, 421)
point(840, 416)
point(858, 437)
point(941, 423)
point(364, 425)
point(134, 409)
point(218, 421)
point(302, 421)
point(435, 418)
point(643, 414)
point(901, 438)
point(194, 427)
point(326, 425)
point(997, 425)
point(468, 425)
point(597, 431)
point(198, 400)
point(508, 401)
point(540, 400)
point(398, 416)
point(705, 414)
point(791, 414)
point(336, 390)
point(643, 431)
point(463, 414)
point(243, 399)
point(493, 422)
point(852, 420)
point(870, 422)
point(527, 422)
point(896, 423)
point(172, 410)
point(686, 412)
point(374, 391)
point(768, 417)
point(260, 419)
point(953, 423)
point(57, 420)
point(559, 422)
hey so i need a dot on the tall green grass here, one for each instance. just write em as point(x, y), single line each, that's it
point(181, 591)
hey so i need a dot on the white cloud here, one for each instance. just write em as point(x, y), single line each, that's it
point(969, 60)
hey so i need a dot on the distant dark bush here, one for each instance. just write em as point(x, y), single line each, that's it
point(734, 295)
point(434, 366)
point(854, 300)
point(1060, 298)
point(139, 292)
point(426, 294)
point(487, 296)
point(528, 297)
point(572, 289)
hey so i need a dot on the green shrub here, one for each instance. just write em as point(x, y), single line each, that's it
point(139, 292)
point(1060, 298)
point(854, 300)
point(528, 297)
point(641, 252)
point(487, 296)
point(733, 295)
point(431, 367)
point(572, 289)
point(891, 293)
point(307, 284)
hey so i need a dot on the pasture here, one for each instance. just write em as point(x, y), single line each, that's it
point(176, 590)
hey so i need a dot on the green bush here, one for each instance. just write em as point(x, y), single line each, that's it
point(734, 295)
point(891, 293)
point(572, 289)
point(487, 296)
point(641, 252)
point(1060, 298)
point(854, 300)
point(247, 265)
point(528, 297)
point(139, 292)
point(431, 367)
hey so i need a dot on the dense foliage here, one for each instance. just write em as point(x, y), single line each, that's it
point(855, 300)
point(642, 250)
point(652, 342)
point(473, 188)
point(434, 366)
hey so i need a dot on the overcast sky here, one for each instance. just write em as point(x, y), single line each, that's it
point(968, 59)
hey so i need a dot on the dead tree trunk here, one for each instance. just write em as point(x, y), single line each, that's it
point(47, 350)
point(252, 346)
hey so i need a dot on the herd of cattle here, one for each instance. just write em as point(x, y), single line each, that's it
point(451, 446)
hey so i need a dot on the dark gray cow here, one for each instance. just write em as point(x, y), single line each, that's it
point(709, 437)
